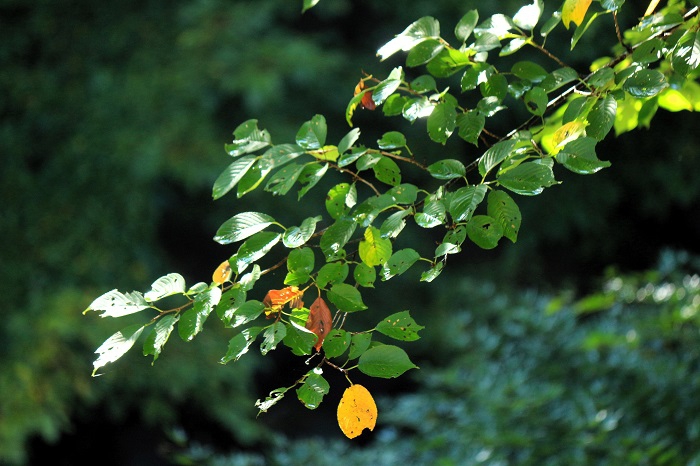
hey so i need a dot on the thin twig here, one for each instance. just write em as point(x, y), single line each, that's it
point(549, 54)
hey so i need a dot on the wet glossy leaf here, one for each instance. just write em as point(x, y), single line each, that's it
point(299, 339)
point(645, 83)
point(272, 336)
point(529, 70)
point(300, 264)
point(400, 326)
point(298, 236)
point(283, 180)
point(496, 85)
point(424, 28)
point(241, 226)
point(314, 388)
point(385, 361)
point(558, 78)
point(356, 411)
point(230, 301)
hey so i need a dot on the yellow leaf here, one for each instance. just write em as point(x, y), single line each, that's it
point(568, 133)
point(329, 153)
point(652, 6)
point(356, 411)
point(574, 10)
point(222, 273)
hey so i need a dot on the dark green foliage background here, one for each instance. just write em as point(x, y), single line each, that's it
point(112, 124)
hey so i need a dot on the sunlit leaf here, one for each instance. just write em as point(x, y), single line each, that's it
point(297, 236)
point(373, 249)
point(165, 286)
point(574, 10)
point(254, 248)
point(528, 179)
point(399, 262)
point(162, 329)
point(336, 236)
point(117, 304)
point(392, 140)
point(299, 339)
point(601, 118)
point(192, 320)
point(527, 16)
point(645, 83)
point(418, 31)
point(232, 175)
point(241, 226)
point(314, 388)
point(400, 326)
point(356, 411)
point(272, 336)
point(312, 134)
point(222, 274)
point(116, 346)
point(240, 344)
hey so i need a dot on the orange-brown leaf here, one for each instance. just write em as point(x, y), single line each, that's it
point(356, 411)
point(222, 273)
point(367, 101)
point(320, 321)
point(275, 300)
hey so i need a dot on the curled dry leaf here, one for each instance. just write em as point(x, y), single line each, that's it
point(366, 101)
point(275, 300)
point(320, 321)
point(222, 274)
point(356, 411)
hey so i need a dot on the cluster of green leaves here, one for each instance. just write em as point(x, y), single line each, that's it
point(369, 205)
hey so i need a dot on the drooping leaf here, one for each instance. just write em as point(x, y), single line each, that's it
point(400, 326)
point(319, 322)
point(241, 226)
point(248, 138)
point(385, 361)
point(686, 53)
point(310, 176)
point(505, 211)
point(373, 249)
point(297, 236)
point(272, 399)
point(253, 178)
point(336, 343)
point(314, 388)
point(574, 10)
point(116, 346)
point(165, 286)
point(192, 320)
point(579, 156)
point(392, 226)
point(387, 87)
point(348, 140)
point(312, 134)
point(433, 272)
point(240, 344)
point(159, 336)
point(465, 200)
point(272, 335)
point(356, 411)
point(399, 262)
point(346, 298)
point(231, 176)
point(484, 231)
point(117, 304)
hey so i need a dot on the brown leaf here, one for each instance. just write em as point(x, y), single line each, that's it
point(320, 321)
point(275, 300)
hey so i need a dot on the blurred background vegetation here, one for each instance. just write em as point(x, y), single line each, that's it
point(112, 124)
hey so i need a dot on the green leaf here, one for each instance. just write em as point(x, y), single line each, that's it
point(527, 16)
point(486, 41)
point(400, 326)
point(280, 155)
point(433, 215)
point(387, 87)
point(446, 248)
point(466, 25)
point(536, 101)
point(648, 51)
point(387, 171)
point(348, 140)
point(449, 61)
point(310, 176)
point(399, 262)
point(495, 155)
point(340, 199)
point(498, 25)
point(601, 77)
point(365, 275)
point(385, 361)
point(248, 280)
point(159, 336)
point(442, 122)
point(423, 83)
point(298, 236)
point(282, 181)
point(505, 211)
point(423, 52)
point(300, 264)
point(332, 272)
point(645, 83)
point(424, 28)
point(247, 312)
point(394, 104)
point(470, 124)
point(601, 118)
point(117, 304)
point(513, 46)
point(248, 139)
point(239, 345)
point(299, 339)
point(447, 169)
point(192, 320)
point(312, 134)
point(686, 53)
point(169, 285)
point(574, 109)
point(489, 106)
point(580, 30)
point(230, 301)
point(579, 156)
point(528, 179)
point(464, 201)
point(308, 4)
point(432, 273)
point(558, 78)
point(252, 178)
point(484, 231)
point(231, 176)
point(529, 70)
point(346, 298)
point(253, 249)
point(373, 249)
point(496, 85)
point(116, 346)
point(392, 226)
point(336, 343)
point(419, 107)
point(314, 388)
point(336, 236)
point(405, 193)
point(241, 226)
point(392, 140)
point(359, 344)
point(551, 23)
point(272, 335)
